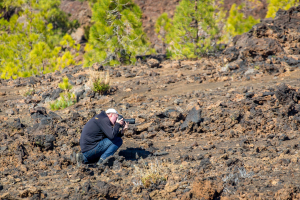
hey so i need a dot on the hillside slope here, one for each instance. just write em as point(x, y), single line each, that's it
point(223, 127)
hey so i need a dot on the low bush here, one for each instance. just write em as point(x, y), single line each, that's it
point(99, 82)
point(149, 174)
point(65, 85)
point(100, 86)
point(65, 100)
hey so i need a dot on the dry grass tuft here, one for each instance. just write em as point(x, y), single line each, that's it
point(27, 91)
point(149, 173)
point(98, 81)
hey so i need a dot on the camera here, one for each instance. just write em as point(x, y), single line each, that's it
point(130, 121)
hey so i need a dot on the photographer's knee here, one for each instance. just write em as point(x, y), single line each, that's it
point(119, 141)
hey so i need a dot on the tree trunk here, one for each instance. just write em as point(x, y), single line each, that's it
point(196, 21)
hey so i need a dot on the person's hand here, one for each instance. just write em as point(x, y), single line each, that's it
point(126, 126)
point(120, 121)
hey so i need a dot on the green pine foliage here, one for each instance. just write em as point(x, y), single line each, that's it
point(59, 19)
point(194, 29)
point(65, 85)
point(117, 35)
point(163, 26)
point(274, 5)
point(237, 23)
point(9, 4)
point(66, 98)
point(90, 1)
point(30, 45)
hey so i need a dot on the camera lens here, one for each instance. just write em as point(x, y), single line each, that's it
point(130, 121)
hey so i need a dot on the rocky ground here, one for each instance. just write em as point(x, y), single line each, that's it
point(223, 127)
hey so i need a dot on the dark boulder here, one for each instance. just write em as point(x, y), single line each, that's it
point(75, 116)
point(40, 110)
point(285, 95)
point(55, 93)
point(54, 116)
point(260, 47)
point(231, 54)
point(107, 190)
point(45, 142)
point(16, 124)
point(193, 116)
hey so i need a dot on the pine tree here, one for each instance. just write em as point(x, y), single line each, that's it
point(162, 27)
point(237, 23)
point(274, 5)
point(194, 29)
point(32, 46)
point(116, 36)
point(52, 14)
point(9, 4)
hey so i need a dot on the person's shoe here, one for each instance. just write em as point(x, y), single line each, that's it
point(79, 158)
point(100, 161)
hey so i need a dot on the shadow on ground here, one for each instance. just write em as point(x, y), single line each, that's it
point(134, 153)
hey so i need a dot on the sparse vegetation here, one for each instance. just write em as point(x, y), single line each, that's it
point(99, 82)
point(149, 173)
point(27, 92)
point(66, 98)
point(65, 85)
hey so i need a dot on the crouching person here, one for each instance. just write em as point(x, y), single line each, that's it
point(100, 137)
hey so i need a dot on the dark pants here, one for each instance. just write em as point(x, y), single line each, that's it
point(104, 149)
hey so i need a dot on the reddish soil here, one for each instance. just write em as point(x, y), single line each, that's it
point(221, 127)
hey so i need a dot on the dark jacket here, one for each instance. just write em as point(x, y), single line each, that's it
point(95, 130)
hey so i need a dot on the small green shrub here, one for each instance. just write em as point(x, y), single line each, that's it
point(99, 82)
point(65, 85)
point(65, 100)
point(100, 86)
